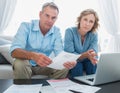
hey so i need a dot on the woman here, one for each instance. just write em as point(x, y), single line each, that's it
point(83, 40)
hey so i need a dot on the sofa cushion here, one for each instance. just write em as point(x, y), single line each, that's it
point(3, 60)
point(39, 77)
point(6, 71)
point(4, 41)
point(4, 50)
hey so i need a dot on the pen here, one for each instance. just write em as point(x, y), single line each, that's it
point(74, 91)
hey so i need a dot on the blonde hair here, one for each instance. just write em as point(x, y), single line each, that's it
point(87, 12)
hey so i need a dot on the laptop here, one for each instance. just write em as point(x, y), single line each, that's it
point(108, 70)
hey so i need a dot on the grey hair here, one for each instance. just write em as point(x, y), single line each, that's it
point(50, 4)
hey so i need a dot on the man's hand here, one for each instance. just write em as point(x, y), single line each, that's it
point(69, 65)
point(41, 59)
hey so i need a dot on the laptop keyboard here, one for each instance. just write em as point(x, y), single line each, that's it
point(91, 79)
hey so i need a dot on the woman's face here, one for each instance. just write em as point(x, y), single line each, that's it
point(87, 23)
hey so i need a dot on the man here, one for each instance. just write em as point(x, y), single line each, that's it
point(34, 42)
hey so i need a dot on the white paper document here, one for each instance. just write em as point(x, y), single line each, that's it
point(60, 59)
point(84, 88)
point(65, 85)
point(35, 88)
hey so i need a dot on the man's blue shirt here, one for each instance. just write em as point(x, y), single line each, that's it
point(30, 38)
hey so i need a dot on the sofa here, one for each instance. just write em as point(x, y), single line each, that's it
point(6, 71)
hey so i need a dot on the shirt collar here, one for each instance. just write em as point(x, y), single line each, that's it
point(36, 27)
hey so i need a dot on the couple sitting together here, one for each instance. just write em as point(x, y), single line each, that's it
point(36, 40)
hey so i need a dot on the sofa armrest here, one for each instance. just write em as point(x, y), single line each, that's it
point(6, 37)
point(6, 71)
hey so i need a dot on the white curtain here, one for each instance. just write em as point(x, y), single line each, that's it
point(110, 15)
point(6, 10)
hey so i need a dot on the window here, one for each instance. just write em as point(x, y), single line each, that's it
point(25, 11)
point(69, 11)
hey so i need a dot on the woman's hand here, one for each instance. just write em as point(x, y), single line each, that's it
point(92, 56)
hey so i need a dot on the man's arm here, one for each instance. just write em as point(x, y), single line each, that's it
point(22, 54)
point(40, 59)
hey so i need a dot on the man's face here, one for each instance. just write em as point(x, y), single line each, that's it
point(47, 18)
